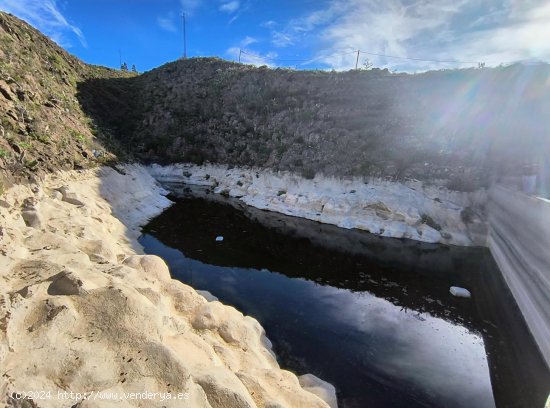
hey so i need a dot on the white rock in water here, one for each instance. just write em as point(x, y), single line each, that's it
point(219, 238)
point(460, 292)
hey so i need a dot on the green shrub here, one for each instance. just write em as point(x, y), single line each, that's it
point(4, 153)
point(78, 136)
point(40, 137)
point(24, 145)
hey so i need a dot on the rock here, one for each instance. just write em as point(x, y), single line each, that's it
point(65, 283)
point(27, 291)
point(32, 218)
point(4, 204)
point(56, 195)
point(207, 295)
point(224, 390)
point(322, 389)
point(232, 332)
point(265, 385)
point(237, 193)
point(30, 203)
point(151, 295)
point(229, 324)
point(69, 196)
point(208, 316)
point(152, 265)
point(446, 235)
point(460, 292)
point(98, 251)
point(380, 209)
point(72, 198)
point(428, 233)
point(6, 91)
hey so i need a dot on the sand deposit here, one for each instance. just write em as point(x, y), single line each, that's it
point(87, 320)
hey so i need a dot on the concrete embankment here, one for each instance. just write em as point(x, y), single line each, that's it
point(87, 320)
point(519, 240)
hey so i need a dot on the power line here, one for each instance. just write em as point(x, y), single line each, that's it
point(269, 58)
point(330, 55)
point(419, 59)
point(358, 52)
point(291, 60)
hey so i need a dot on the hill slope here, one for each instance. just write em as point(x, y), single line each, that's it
point(456, 126)
point(42, 125)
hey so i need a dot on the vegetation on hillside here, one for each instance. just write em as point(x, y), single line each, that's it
point(457, 128)
point(42, 125)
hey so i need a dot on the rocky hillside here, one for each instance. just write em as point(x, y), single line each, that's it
point(457, 128)
point(454, 128)
point(42, 125)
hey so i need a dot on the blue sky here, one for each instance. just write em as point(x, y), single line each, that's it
point(300, 33)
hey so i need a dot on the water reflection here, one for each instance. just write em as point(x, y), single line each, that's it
point(383, 330)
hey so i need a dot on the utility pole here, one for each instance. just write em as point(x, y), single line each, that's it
point(184, 37)
point(240, 52)
point(119, 58)
point(357, 60)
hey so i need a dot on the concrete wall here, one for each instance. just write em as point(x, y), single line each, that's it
point(519, 239)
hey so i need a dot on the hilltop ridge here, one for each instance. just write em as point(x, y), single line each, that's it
point(455, 128)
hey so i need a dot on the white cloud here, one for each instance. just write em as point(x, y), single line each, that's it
point(524, 38)
point(491, 31)
point(230, 7)
point(249, 56)
point(167, 23)
point(247, 41)
point(190, 6)
point(300, 27)
point(45, 16)
point(281, 40)
point(391, 28)
point(268, 24)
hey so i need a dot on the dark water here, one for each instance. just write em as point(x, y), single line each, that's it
point(371, 315)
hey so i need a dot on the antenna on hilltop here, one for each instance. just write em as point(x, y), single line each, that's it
point(184, 36)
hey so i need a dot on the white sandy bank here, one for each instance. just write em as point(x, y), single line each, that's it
point(385, 208)
point(83, 313)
